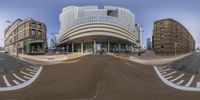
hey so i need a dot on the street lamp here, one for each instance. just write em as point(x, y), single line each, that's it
point(175, 45)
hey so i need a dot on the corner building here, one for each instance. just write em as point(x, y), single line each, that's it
point(89, 29)
point(25, 37)
point(170, 37)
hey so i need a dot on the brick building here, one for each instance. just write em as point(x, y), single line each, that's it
point(25, 37)
point(171, 37)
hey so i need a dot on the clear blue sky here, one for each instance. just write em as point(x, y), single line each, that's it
point(146, 12)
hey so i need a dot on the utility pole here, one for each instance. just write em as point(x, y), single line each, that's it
point(175, 46)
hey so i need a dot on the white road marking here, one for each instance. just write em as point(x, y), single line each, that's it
point(17, 83)
point(19, 78)
point(198, 85)
point(190, 81)
point(97, 92)
point(31, 70)
point(180, 87)
point(27, 77)
point(26, 74)
point(169, 77)
point(6, 81)
point(129, 64)
point(33, 73)
point(22, 85)
point(1, 58)
point(169, 73)
point(178, 83)
point(177, 78)
point(165, 70)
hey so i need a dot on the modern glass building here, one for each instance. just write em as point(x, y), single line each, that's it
point(88, 29)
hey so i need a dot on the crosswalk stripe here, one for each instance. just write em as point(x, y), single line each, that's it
point(169, 74)
point(165, 70)
point(33, 73)
point(190, 81)
point(31, 70)
point(26, 74)
point(17, 83)
point(177, 78)
point(6, 81)
point(19, 78)
point(169, 77)
point(178, 83)
point(27, 77)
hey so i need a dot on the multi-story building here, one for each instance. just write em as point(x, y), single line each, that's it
point(171, 37)
point(25, 37)
point(149, 44)
point(90, 29)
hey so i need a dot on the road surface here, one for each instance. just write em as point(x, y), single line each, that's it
point(190, 64)
point(9, 64)
point(98, 78)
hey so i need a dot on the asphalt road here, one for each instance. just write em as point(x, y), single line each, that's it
point(98, 78)
point(9, 64)
point(190, 64)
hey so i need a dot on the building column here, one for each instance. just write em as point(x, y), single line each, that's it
point(126, 47)
point(81, 46)
point(67, 48)
point(72, 47)
point(119, 47)
point(94, 46)
point(108, 46)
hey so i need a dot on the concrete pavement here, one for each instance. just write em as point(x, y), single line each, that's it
point(158, 61)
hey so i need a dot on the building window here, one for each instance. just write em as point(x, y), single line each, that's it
point(33, 25)
point(162, 28)
point(33, 33)
point(39, 33)
point(162, 35)
point(113, 13)
point(39, 26)
point(162, 46)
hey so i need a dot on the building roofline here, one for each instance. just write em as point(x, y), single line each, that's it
point(171, 19)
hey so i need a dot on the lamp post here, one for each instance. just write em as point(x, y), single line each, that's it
point(175, 46)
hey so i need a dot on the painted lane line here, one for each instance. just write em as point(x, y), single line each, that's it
point(27, 77)
point(17, 83)
point(19, 78)
point(180, 87)
point(169, 74)
point(190, 81)
point(26, 74)
point(180, 82)
point(33, 73)
point(169, 77)
point(23, 85)
point(6, 81)
point(165, 70)
point(177, 78)
point(31, 70)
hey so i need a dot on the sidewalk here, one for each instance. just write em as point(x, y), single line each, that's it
point(49, 59)
point(157, 60)
point(45, 58)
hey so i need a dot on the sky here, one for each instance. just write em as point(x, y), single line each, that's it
point(146, 12)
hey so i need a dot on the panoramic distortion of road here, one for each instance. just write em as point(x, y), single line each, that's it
point(189, 64)
point(93, 77)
